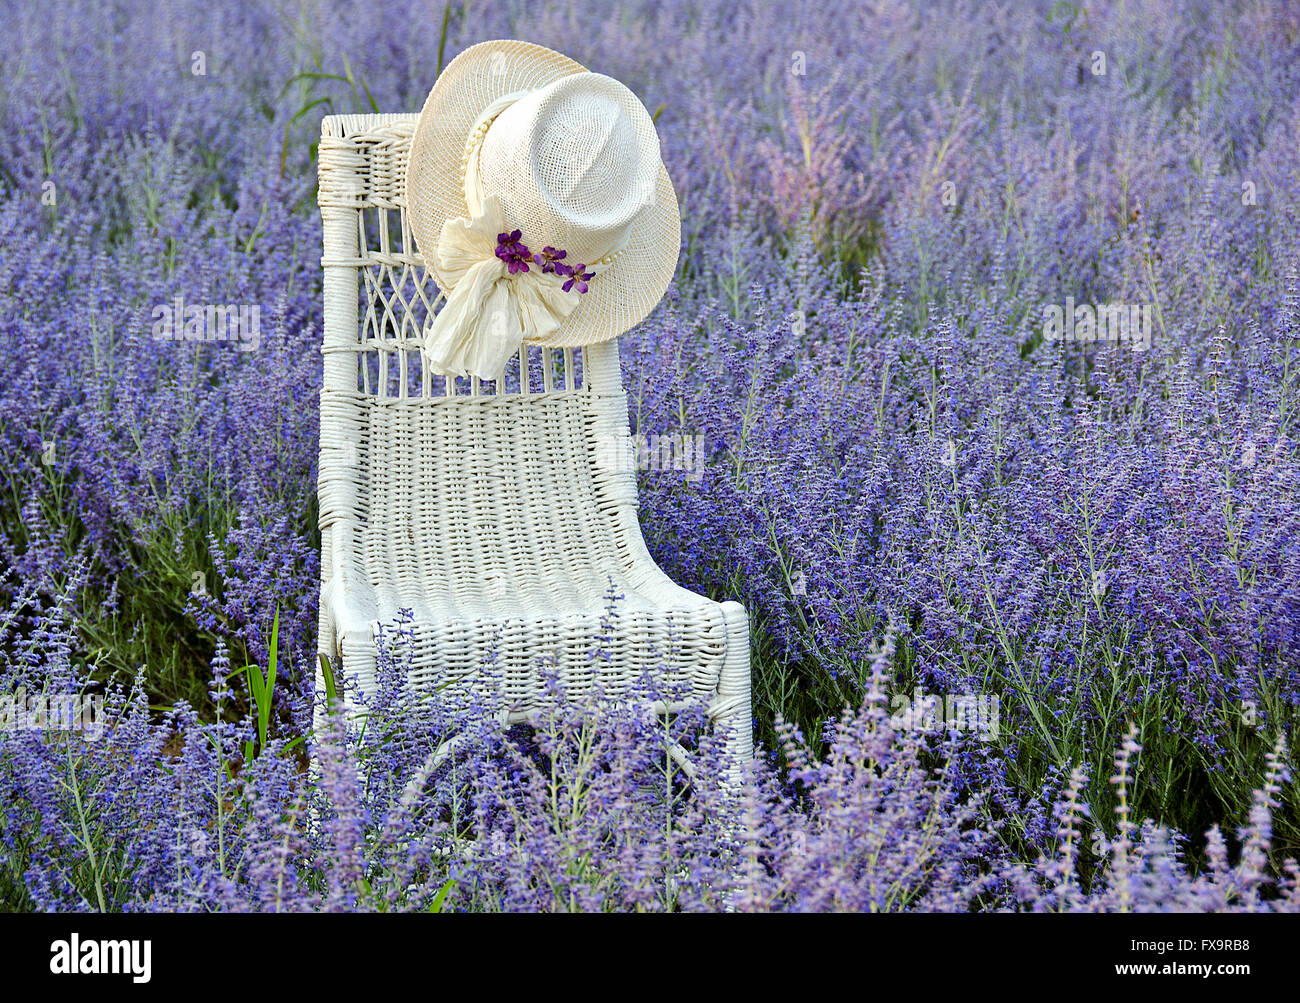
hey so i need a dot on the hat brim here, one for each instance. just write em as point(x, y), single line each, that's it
point(620, 296)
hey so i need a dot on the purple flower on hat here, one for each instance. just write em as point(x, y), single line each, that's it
point(579, 279)
point(512, 252)
point(549, 259)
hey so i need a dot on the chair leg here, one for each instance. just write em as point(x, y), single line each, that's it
point(734, 721)
point(326, 645)
point(361, 662)
point(733, 708)
point(331, 645)
point(319, 722)
point(683, 760)
point(415, 786)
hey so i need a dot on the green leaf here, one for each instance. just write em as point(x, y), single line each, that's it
point(309, 76)
point(306, 108)
point(255, 683)
point(442, 37)
point(327, 674)
point(374, 107)
point(441, 897)
point(262, 688)
point(275, 648)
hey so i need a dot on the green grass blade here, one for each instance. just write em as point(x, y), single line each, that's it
point(268, 691)
point(327, 674)
point(441, 897)
point(442, 37)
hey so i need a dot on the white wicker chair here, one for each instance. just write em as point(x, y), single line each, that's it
point(490, 509)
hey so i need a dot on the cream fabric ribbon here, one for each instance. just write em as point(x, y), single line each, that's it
point(488, 311)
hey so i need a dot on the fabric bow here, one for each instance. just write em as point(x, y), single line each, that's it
point(488, 310)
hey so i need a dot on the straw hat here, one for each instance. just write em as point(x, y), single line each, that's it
point(524, 166)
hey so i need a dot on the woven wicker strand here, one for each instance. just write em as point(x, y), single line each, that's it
point(489, 508)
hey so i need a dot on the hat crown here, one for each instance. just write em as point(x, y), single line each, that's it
point(574, 163)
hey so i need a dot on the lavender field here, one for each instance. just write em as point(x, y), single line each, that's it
point(940, 475)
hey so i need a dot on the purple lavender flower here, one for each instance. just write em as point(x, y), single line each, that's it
point(1093, 535)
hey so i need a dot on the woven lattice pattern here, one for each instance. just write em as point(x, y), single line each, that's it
point(496, 511)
